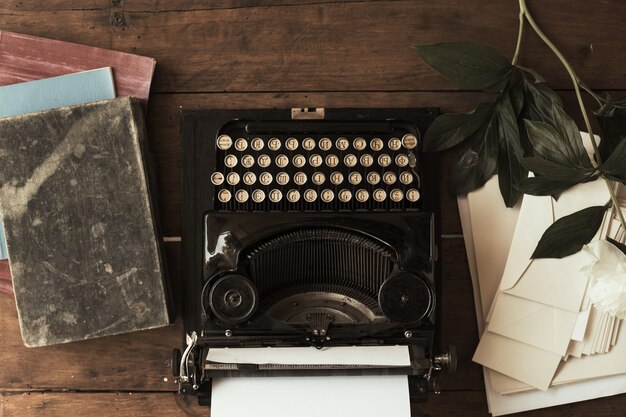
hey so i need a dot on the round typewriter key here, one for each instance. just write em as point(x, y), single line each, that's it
point(233, 299)
point(310, 195)
point(376, 144)
point(299, 161)
point(293, 196)
point(336, 177)
point(345, 195)
point(257, 144)
point(367, 160)
point(412, 195)
point(362, 195)
point(327, 196)
point(230, 161)
point(406, 177)
point(315, 160)
point(299, 178)
point(355, 178)
point(232, 178)
point(249, 178)
point(247, 161)
point(350, 160)
point(396, 195)
point(373, 178)
point(258, 196)
point(342, 144)
point(409, 141)
point(217, 178)
point(224, 142)
point(389, 178)
point(405, 298)
point(224, 196)
point(308, 144)
point(318, 178)
point(241, 196)
point(384, 160)
point(274, 144)
point(282, 161)
point(264, 161)
point(332, 160)
point(282, 178)
point(379, 195)
point(394, 144)
point(359, 144)
point(402, 160)
point(241, 144)
point(276, 195)
point(325, 144)
point(265, 178)
point(291, 144)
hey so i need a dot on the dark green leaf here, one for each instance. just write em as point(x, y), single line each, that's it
point(510, 171)
point(547, 186)
point(568, 234)
point(556, 171)
point(516, 91)
point(570, 133)
point(540, 99)
point(561, 144)
point(546, 141)
point(612, 120)
point(617, 244)
point(451, 129)
point(615, 166)
point(471, 65)
point(534, 74)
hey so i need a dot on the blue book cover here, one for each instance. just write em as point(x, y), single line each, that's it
point(51, 93)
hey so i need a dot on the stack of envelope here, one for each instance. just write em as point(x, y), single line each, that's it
point(543, 343)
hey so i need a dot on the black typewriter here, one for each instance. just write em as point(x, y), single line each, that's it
point(309, 227)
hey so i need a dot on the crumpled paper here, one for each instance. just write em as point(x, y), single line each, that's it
point(608, 278)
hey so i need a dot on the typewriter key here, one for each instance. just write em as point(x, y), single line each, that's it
point(394, 144)
point(355, 178)
point(379, 195)
point(310, 195)
point(345, 195)
point(409, 141)
point(224, 196)
point(362, 195)
point(217, 178)
point(265, 178)
point(332, 160)
point(299, 178)
point(257, 144)
point(230, 161)
point(232, 178)
point(412, 195)
point(282, 178)
point(373, 178)
point(258, 196)
point(325, 144)
point(224, 142)
point(264, 161)
point(249, 178)
point(376, 144)
point(336, 177)
point(308, 144)
point(350, 160)
point(384, 160)
point(299, 161)
point(342, 144)
point(327, 196)
point(315, 160)
point(389, 178)
point(247, 161)
point(293, 196)
point(275, 195)
point(406, 177)
point(405, 298)
point(241, 196)
point(367, 160)
point(359, 144)
point(396, 195)
point(233, 299)
point(241, 144)
point(291, 144)
point(274, 144)
point(318, 178)
point(282, 161)
point(402, 160)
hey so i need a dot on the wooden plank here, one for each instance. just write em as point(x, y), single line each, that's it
point(362, 46)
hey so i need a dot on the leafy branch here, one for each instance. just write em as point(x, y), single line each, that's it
point(526, 129)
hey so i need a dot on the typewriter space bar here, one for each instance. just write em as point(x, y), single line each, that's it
point(319, 127)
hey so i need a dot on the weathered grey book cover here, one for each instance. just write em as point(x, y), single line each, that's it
point(80, 222)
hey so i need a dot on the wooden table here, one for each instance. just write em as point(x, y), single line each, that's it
point(288, 53)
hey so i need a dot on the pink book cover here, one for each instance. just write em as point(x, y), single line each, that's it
point(27, 58)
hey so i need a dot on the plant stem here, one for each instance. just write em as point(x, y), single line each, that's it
point(519, 34)
point(583, 110)
point(591, 93)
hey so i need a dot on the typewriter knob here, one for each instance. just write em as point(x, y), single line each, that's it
point(405, 298)
point(233, 299)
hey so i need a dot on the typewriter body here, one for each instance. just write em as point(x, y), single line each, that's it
point(308, 227)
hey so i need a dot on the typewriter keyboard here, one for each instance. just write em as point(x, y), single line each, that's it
point(308, 172)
